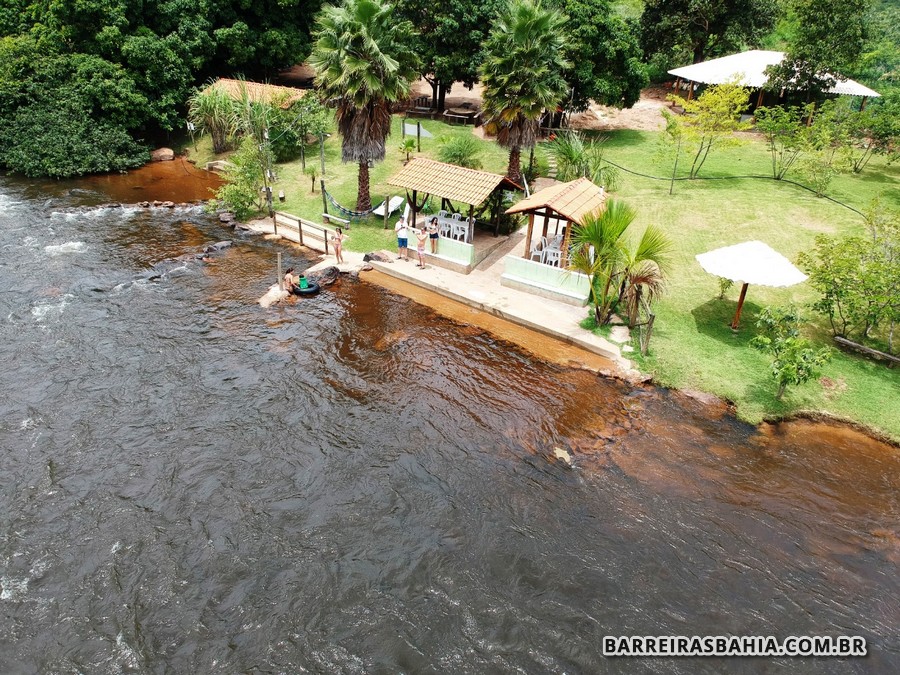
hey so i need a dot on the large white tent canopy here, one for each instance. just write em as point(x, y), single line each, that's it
point(752, 262)
point(749, 68)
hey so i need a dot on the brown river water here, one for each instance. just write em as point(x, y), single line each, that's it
point(357, 483)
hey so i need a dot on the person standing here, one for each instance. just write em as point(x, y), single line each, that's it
point(402, 239)
point(422, 237)
point(433, 233)
point(337, 239)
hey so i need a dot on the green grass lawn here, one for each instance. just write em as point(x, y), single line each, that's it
point(692, 346)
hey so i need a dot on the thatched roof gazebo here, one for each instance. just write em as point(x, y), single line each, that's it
point(452, 183)
point(569, 202)
point(259, 92)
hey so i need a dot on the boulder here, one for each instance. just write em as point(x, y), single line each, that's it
point(379, 256)
point(144, 204)
point(325, 277)
point(162, 155)
point(168, 205)
point(226, 217)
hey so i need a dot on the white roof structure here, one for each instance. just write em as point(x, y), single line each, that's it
point(750, 67)
point(752, 262)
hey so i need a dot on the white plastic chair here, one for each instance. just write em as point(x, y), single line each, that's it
point(537, 250)
point(552, 257)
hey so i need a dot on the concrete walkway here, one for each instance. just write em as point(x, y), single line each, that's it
point(482, 290)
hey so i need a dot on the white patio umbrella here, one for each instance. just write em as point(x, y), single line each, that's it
point(752, 262)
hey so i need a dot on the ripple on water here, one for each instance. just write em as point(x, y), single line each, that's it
point(68, 247)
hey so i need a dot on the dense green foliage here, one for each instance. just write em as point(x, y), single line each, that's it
point(522, 76)
point(605, 55)
point(697, 30)
point(829, 38)
point(450, 40)
point(106, 76)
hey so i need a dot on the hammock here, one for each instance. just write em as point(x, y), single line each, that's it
point(347, 212)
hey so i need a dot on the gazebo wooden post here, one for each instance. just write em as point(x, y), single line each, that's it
point(528, 235)
point(413, 210)
point(759, 99)
point(564, 264)
point(498, 205)
point(546, 221)
point(471, 227)
point(862, 104)
point(737, 315)
point(690, 90)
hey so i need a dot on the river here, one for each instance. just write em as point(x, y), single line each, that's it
point(353, 483)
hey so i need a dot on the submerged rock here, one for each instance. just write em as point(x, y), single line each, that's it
point(218, 246)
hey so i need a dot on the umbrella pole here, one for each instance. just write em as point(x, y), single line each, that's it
point(737, 315)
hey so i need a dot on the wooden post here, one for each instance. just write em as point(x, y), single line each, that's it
point(564, 262)
point(322, 153)
point(759, 99)
point(862, 104)
point(419, 136)
point(325, 238)
point(413, 210)
point(300, 230)
point(280, 275)
point(272, 211)
point(471, 227)
point(737, 315)
point(386, 202)
point(528, 235)
point(324, 198)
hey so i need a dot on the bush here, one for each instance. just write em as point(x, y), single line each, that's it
point(461, 151)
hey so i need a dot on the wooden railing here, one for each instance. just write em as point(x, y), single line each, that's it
point(308, 233)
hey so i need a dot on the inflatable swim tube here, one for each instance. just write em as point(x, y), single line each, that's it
point(311, 289)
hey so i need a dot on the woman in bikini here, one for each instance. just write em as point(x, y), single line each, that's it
point(338, 239)
point(433, 233)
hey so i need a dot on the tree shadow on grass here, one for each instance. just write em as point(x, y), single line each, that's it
point(713, 318)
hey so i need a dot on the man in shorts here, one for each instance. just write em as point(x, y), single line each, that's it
point(402, 239)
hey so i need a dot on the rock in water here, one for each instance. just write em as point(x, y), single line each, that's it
point(325, 277)
point(218, 246)
point(562, 455)
point(273, 295)
point(226, 217)
point(162, 155)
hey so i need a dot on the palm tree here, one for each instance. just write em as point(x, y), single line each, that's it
point(618, 272)
point(522, 76)
point(364, 62)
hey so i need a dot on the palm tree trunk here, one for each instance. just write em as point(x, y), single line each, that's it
point(363, 200)
point(514, 170)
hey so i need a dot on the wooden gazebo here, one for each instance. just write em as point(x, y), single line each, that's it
point(259, 92)
point(569, 202)
point(452, 184)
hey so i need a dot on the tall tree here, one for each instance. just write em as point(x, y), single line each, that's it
point(450, 41)
point(522, 76)
point(705, 28)
point(829, 38)
point(364, 62)
point(605, 53)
